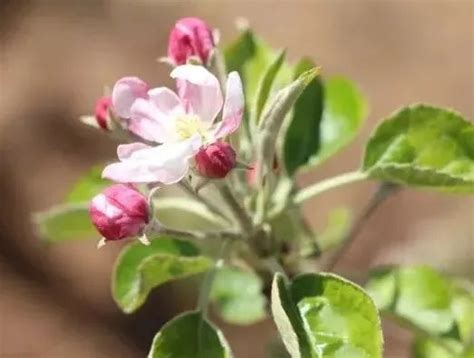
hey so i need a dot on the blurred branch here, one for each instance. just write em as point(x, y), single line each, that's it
point(384, 191)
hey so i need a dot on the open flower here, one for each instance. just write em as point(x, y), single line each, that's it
point(182, 122)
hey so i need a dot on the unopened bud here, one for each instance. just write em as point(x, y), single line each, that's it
point(216, 160)
point(101, 113)
point(190, 38)
point(119, 212)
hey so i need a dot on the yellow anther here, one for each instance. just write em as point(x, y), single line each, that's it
point(188, 125)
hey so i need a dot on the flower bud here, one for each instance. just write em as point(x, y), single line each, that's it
point(190, 37)
point(101, 113)
point(119, 212)
point(215, 160)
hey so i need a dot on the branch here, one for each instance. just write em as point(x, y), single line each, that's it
point(383, 192)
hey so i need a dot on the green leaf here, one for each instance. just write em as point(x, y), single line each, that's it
point(186, 214)
point(141, 268)
point(345, 110)
point(88, 186)
point(462, 306)
point(288, 320)
point(238, 295)
point(251, 57)
point(275, 113)
point(340, 318)
point(337, 228)
point(326, 118)
point(423, 146)
point(328, 314)
point(189, 335)
point(422, 297)
point(65, 223)
point(302, 138)
point(266, 83)
point(426, 347)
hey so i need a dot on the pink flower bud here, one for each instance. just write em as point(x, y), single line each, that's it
point(120, 211)
point(190, 37)
point(101, 113)
point(215, 160)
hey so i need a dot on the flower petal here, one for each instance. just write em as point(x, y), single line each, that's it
point(153, 118)
point(125, 151)
point(199, 91)
point(167, 163)
point(125, 92)
point(233, 107)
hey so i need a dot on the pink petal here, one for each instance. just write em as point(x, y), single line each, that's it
point(167, 163)
point(199, 91)
point(153, 118)
point(125, 92)
point(233, 107)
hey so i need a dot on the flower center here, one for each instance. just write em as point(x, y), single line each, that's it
point(188, 125)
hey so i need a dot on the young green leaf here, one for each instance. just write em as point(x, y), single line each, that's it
point(265, 85)
point(288, 320)
point(141, 268)
point(238, 295)
point(273, 117)
point(302, 139)
point(189, 335)
point(426, 347)
point(423, 146)
point(323, 315)
point(88, 186)
point(251, 57)
point(345, 110)
point(326, 118)
point(340, 318)
point(65, 223)
point(424, 298)
point(337, 228)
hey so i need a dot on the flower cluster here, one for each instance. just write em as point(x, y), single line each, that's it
point(171, 133)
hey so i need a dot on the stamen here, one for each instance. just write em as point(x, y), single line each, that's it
point(188, 125)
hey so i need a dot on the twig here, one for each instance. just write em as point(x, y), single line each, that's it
point(383, 192)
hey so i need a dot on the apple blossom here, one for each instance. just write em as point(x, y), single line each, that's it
point(215, 160)
point(183, 123)
point(190, 37)
point(119, 212)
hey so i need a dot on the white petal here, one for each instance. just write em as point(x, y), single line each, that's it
point(126, 151)
point(199, 91)
point(125, 92)
point(167, 163)
point(233, 107)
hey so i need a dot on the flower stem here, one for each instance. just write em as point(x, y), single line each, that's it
point(214, 209)
point(327, 184)
point(240, 214)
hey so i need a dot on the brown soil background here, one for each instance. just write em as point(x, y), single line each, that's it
point(55, 57)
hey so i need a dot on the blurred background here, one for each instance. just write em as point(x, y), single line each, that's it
point(55, 58)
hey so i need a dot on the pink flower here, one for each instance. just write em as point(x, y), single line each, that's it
point(119, 212)
point(215, 160)
point(101, 113)
point(183, 123)
point(190, 37)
